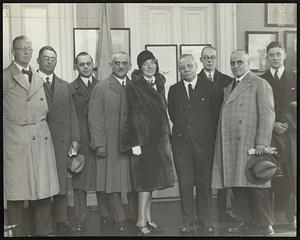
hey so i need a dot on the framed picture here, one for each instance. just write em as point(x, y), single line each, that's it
point(256, 43)
point(86, 40)
point(290, 45)
point(167, 56)
point(195, 50)
point(280, 14)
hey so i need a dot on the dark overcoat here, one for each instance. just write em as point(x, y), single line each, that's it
point(81, 94)
point(147, 125)
point(105, 116)
point(246, 119)
point(63, 126)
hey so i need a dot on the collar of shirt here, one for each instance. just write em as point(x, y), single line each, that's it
point(86, 80)
point(241, 78)
point(280, 71)
point(151, 79)
point(20, 67)
point(44, 76)
point(193, 82)
point(121, 80)
point(211, 73)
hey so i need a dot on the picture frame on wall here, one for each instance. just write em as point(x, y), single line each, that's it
point(195, 50)
point(280, 14)
point(255, 44)
point(86, 40)
point(290, 45)
point(167, 56)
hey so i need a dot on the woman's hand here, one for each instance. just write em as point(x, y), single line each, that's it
point(137, 150)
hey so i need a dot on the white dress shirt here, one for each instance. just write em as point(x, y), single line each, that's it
point(44, 76)
point(186, 84)
point(152, 80)
point(121, 81)
point(280, 71)
point(87, 80)
point(211, 73)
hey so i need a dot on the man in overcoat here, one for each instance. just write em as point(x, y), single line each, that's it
point(192, 108)
point(106, 111)
point(64, 130)
point(85, 181)
point(220, 80)
point(246, 121)
point(29, 166)
point(284, 87)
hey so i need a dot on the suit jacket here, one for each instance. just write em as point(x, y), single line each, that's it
point(105, 114)
point(194, 122)
point(246, 119)
point(63, 125)
point(220, 81)
point(285, 91)
point(81, 94)
point(29, 166)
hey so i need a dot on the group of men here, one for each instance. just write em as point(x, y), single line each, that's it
point(48, 122)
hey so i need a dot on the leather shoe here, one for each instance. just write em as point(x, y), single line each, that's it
point(121, 227)
point(64, 228)
point(268, 231)
point(143, 231)
point(208, 229)
point(154, 227)
point(240, 228)
point(186, 228)
point(80, 228)
point(230, 217)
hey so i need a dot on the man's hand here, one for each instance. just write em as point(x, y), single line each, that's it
point(136, 150)
point(101, 152)
point(259, 149)
point(74, 148)
point(280, 128)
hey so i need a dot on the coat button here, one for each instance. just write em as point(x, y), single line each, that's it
point(239, 139)
point(46, 138)
point(33, 138)
point(240, 122)
point(62, 141)
point(28, 99)
point(42, 99)
point(62, 122)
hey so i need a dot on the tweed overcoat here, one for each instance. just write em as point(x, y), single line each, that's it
point(63, 126)
point(105, 114)
point(81, 94)
point(29, 163)
point(246, 119)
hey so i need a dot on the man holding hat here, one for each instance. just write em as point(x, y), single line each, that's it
point(246, 121)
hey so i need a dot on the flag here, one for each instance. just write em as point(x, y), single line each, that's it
point(104, 49)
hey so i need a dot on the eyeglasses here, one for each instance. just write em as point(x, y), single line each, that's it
point(24, 49)
point(47, 58)
point(89, 64)
point(206, 58)
point(125, 64)
point(238, 62)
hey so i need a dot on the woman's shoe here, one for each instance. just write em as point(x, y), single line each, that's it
point(154, 227)
point(143, 231)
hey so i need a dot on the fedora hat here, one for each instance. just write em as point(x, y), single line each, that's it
point(260, 169)
point(75, 163)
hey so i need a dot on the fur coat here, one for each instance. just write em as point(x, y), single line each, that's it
point(147, 125)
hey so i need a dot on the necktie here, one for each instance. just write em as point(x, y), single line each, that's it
point(236, 82)
point(123, 83)
point(209, 77)
point(151, 82)
point(29, 73)
point(276, 77)
point(89, 84)
point(191, 90)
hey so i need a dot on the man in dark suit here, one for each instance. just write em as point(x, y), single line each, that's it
point(193, 111)
point(209, 72)
point(81, 89)
point(64, 130)
point(283, 84)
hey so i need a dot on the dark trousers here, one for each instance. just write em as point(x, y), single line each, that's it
point(39, 215)
point(60, 208)
point(254, 205)
point(80, 206)
point(194, 168)
point(111, 207)
point(223, 202)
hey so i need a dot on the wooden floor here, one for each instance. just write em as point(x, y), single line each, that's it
point(168, 215)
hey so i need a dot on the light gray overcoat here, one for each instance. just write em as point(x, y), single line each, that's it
point(105, 114)
point(29, 163)
point(246, 119)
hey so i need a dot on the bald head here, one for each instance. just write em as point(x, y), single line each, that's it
point(239, 61)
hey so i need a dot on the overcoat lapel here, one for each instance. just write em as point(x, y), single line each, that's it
point(59, 91)
point(19, 77)
point(115, 85)
point(182, 91)
point(241, 87)
point(36, 83)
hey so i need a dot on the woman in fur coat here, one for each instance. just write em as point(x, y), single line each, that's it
point(146, 131)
